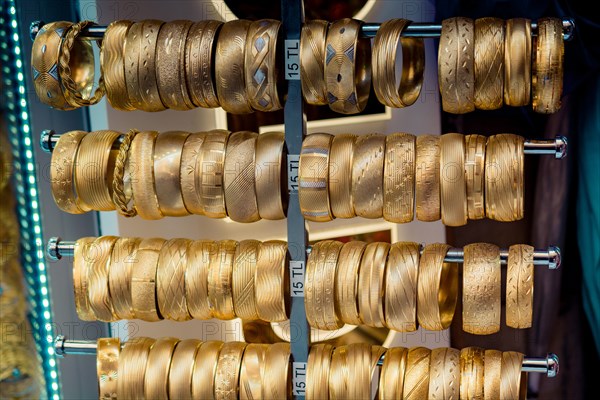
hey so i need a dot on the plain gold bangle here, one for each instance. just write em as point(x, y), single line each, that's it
point(271, 193)
point(416, 377)
point(122, 261)
point(168, 150)
point(444, 373)
point(98, 264)
point(211, 182)
point(489, 63)
point(147, 78)
point(340, 175)
point(132, 367)
point(191, 173)
point(391, 381)
point(170, 280)
point(196, 278)
point(228, 371)
point(312, 61)
point(253, 371)
point(239, 179)
point(519, 286)
point(367, 175)
point(199, 59)
point(313, 172)
point(271, 280)
point(317, 371)
point(156, 379)
point(244, 268)
point(427, 178)
point(205, 370)
point(346, 282)
point(399, 178)
point(475, 175)
point(513, 382)
point(453, 188)
point(112, 63)
point(141, 167)
point(277, 377)
point(491, 374)
point(547, 78)
point(143, 281)
point(517, 62)
point(80, 282)
point(339, 375)
point(181, 372)
point(371, 284)
point(362, 362)
point(220, 292)
point(401, 274)
point(107, 365)
point(472, 373)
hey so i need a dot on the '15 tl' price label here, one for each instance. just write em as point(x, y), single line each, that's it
point(299, 378)
point(297, 278)
point(292, 60)
point(293, 165)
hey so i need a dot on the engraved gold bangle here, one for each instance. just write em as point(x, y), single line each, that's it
point(320, 277)
point(416, 377)
point(271, 280)
point(456, 65)
point(547, 79)
point(143, 281)
point(453, 187)
point(220, 292)
point(81, 256)
point(99, 258)
point(519, 286)
point(444, 373)
point(371, 284)
point(132, 367)
point(347, 67)
point(427, 178)
point(211, 174)
point(170, 280)
point(168, 150)
point(339, 375)
point(156, 380)
point(387, 88)
point(107, 366)
point(513, 382)
point(205, 370)
point(239, 179)
point(271, 193)
point(253, 371)
point(491, 374)
point(132, 50)
point(401, 273)
point(312, 61)
point(391, 381)
point(191, 172)
point(122, 261)
point(472, 373)
point(141, 167)
point(364, 358)
point(244, 269)
point(346, 282)
point(228, 371)
point(481, 289)
point(230, 69)
point(517, 62)
point(317, 371)
point(198, 63)
point(196, 278)
point(489, 63)
point(340, 175)
point(147, 71)
point(181, 372)
point(277, 376)
point(367, 175)
point(475, 175)
point(399, 178)
point(112, 63)
point(313, 171)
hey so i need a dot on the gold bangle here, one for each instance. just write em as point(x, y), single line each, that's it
point(547, 78)
point(312, 60)
point(191, 172)
point(517, 62)
point(491, 374)
point(122, 261)
point(271, 193)
point(244, 269)
point(211, 183)
point(62, 171)
point(340, 175)
point(416, 377)
point(196, 278)
point(339, 375)
point(347, 67)
point(141, 167)
point(112, 63)
point(456, 65)
point(399, 178)
point(99, 259)
point(230, 69)
point(472, 373)
point(170, 67)
point(277, 375)
point(519, 286)
point(271, 280)
point(220, 292)
point(367, 175)
point(444, 372)
point(239, 177)
point(156, 379)
point(170, 280)
point(181, 372)
point(371, 284)
point(475, 175)
point(107, 365)
point(388, 90)
point(143, 281)
point(132, 49)
point(205, 370)
point(317, 371)
point(453, 188)
point(346, 282)
point(80, 282)
point(228, 371)
point(121, 182)
point(401, 273)
point(481, 289)
point(489, 63)
point(320, 277)
point(132, 367)
point(391, 381)
point(168, 150)
point(147, 67)
point(253, 371)
point(513, 382)
point(437, 292)
point(313, 172)
point(504, 177)
point(352, 370)
point(427, 178)
point(198, 63)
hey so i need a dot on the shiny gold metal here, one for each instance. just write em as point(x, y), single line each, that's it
point(320, 277)
point(107, 366)
point(547, 79)
point(271, 193)
point(472, 373)
point(199, 58)
point(453, 187)
point(132, 50)
point(211, 173)
point(444, 373)
point(147, 71)
point(143, 280)
point(141, 167)
point(132, 367)
point(170, 280)
point(317, 371)
point(489, 63)
point(122, 261)
point(196, 278)
point(277, 373)
point(182, 369)
point(346, 282)
point(312, 61)
point(391, 381)
point(156, 379)
point(427, 178)
point(513, 382)
point(97, 266)
point(371, 284)
point(313, 172)
point(367, 175)
point(62, 171)
point(252, 373)
point(190, 173)
point(228, 371)
point(205, 370)
point(519, 286)
point(339, 376)
point(517, 62)
point(400, 299)
point(112, 64)
point(416, 377)
point(168, 150)
point(340, 175)
point(475, 175)
point(491, 374)
point(271, 281)
point(81, 256)
point(244, 268)
point(220, 291)
point(399, 178)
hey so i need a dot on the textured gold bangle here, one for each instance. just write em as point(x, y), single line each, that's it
point(517, 62)
point(271, 193)
point(489, 63)
point(62, 171)
point(352, 369)
point(107, 365)
point(271, 280)
point(132, 367)
point(437, 292)
point(141, 167)
point(453, 187)
point(481, 289)
point(444, 373)
point(504, 177)
point(170, 280)
point(346, 282)
point(220, 292)
point(400, 299)
point(132, 49)
point(230, 69)
point(317, 371)
point(347, 67)
point(112, 63)
point(81, 255)
point(244, 269)
point(320, 277)
point(475, 175)
point(387, 88)
point(339, 375)
point(156, 379)
point(182, 368)
point(491, 374)
point(168, 150)
point(519, 286)
point(340, 175)
point(205, 370)
point(367, 175)
point(472, 373)
point(191, 173)
point(399, 178)
point(211, 181)
point(122, 262)
point(239, 178)
point(143, 281)
point(427, 178)
point(456, 65)
point(547, 79)
point(371, 284)
point(196, 278)
point(253, 371)
point(313, 172)
point(312, 61)
point(391, 381)
point(277, 373)
point(99, 259)
point(513, 382)
point(416, 377)
point(147, 71)
point(198, 63)
point(228, 371)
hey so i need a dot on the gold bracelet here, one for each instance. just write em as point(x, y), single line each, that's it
point(491, 374)
point(547, 78)
point(143, 281)
point(147, 67)
point(271, 280)
point(80, 281)
point(230, 69)
point(141, 167)
point(253, 371)
point(427, 178)
point(475, 175)
point(320, 277)
point(112, 63)
point(340, 175)
point(181, 372)
point(168, 150)
point(519, 286)
point(339, 374)
point(472, 373)
point(517, 62)
point(481, 289)
point(198, 63)
point(399, 178)
point(277, 373)
point(489, 63)
point(346, 282)
point(401, 273)
point(453, 188)
point(312, 61)
point(362, 362)
point(196, 278)
point(205, 370)
point(99, 259)
point(132, 49)
point(313, 172)
point(317, 371)
point(239, 177)
point(220, 292)
point(271, 193)
point(347, 67)
point(122, 261)
point(191, 172)
point(228, 371)
point(456, 65)
point(170, 280)
point(388, 90)
point(504, 177)
point(132, 367)
point(156, 379)
point(211, 183)
point(367, 175)
point(244, 269)
point(444, 372)
point(107, 365)
point(513, 382)
point(391, 381)
point(371, 284)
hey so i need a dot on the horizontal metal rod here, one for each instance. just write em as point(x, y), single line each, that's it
point(550, 257)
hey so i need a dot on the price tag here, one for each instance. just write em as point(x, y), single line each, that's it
point(293, 164)
point(297, 272)
point(292, 60)
point(299, 378)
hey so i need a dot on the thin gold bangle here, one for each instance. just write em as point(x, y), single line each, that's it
point(277, 375)
point(112, 63)
point(181, 372)
point(132, 49)
point(416, 377)
point(367, 175)
point(244, 268)
point(170, 280)
point(191, 172)
point(371, 284)
point(253, 371)
point(313, 172)
point(399, 178)
point(199, 59)
point(317, 371)
point(401, 273)
point(228, 371)
point(489, 63)
point(444, 373)
point(312, 61)
point(271, 194)
point(475, 175)
point(211, 175)
point(472, 373)
point(122, 261)
point(427, 178)
point(132, 367)
point(168, 149)
point(80, 281)
point(391, 381)
point(547, 78)
point(220, 292)
point(346, 282)
point(196, 278)
point(143, 281)
point(453, 188)
point(107, 365)
point(491, 374)
point(141, 166)
point(205, 370)
point(517, 62)
point(271, 280)
point(156, 379)
point(519, 286)
point(340, 175)
point(99, 259)
point(513, 382)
